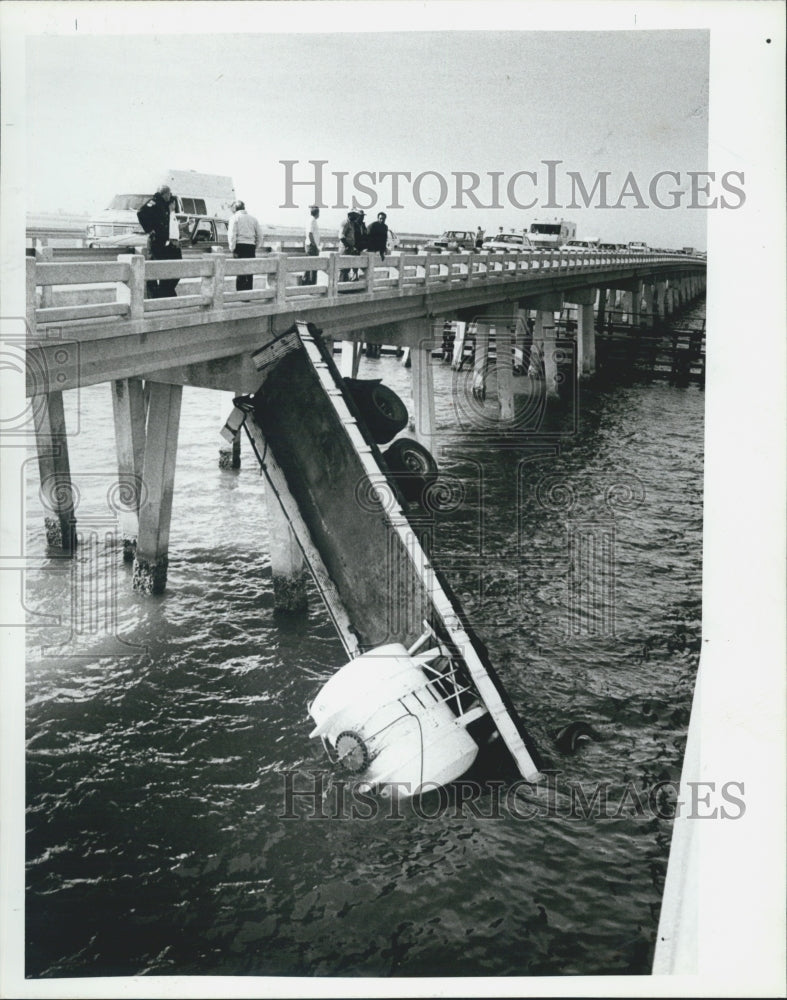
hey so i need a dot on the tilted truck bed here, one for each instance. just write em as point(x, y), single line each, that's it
point(366, 558)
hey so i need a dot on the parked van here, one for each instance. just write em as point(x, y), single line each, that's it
point(208, 195)
point(200, 231)
point(552, 235)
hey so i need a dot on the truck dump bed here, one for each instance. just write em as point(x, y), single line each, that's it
point(366, 557)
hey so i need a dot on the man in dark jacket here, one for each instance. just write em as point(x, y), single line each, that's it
point(347, 239)
point(377, 236)
point(159, 223)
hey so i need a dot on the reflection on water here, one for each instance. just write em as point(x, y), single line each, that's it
point(161, 730)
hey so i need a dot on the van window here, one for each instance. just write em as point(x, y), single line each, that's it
point(204, 232)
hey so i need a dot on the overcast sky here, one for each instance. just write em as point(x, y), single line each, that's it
point(105, 112)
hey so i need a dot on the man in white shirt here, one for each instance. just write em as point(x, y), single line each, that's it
point(312, 243)
point(245, 235)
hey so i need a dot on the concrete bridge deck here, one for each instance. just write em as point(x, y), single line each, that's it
point(90, 322)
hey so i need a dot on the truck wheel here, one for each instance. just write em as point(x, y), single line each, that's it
point(382, 410)
point(412, 467)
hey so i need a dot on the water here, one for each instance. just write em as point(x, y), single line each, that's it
point(157, 747)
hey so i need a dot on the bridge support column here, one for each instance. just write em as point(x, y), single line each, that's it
point(660, 299)
point(647, 295)
point(481, 359)
point(586, 333)
point(636, 303)
point(505, 374)
point(129, 411)
point(351, 358)
point(544, 340)
point(229, 454)
point(459, 345)
point(423, 387)
point(521, 338)
point(158, 475)
point(55, 472)
point(287, 562)
point(602, 305)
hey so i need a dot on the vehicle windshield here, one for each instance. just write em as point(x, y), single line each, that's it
point(506, 238)
point(127, 202)
point(546, 228)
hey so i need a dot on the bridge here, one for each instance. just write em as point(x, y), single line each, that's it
point(90, 322)
point(334, 503)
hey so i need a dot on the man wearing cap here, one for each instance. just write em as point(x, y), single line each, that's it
point(158, 220)
point(245, 235)
point(312, 242)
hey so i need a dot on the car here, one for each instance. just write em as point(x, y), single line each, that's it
point(197, 231)
point(507, 243)
point(452, 241)
point(637, 247)
point(580, 246)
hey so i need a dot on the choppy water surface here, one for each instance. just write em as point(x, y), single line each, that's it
point(159, 729)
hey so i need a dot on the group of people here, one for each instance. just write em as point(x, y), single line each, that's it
point(355, 238)
point(245, 236)
point(157, 218)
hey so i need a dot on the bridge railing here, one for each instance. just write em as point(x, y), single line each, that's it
point(98, 291)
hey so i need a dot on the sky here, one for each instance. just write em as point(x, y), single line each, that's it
point(103, 112)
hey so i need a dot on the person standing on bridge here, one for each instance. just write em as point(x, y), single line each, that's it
point(347, 240)
point(245, 235)
point(158, 220)
point(377, 236)
point(312, 243)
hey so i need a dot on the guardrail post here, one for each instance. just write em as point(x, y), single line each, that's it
point(30, 294)
point(331, 274)
point(47, 256)
point(212, 285)
point(132, 292)
point(370, 271)
point(281, 280)
point(400, 277)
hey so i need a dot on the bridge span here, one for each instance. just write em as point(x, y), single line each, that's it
point(89, 322)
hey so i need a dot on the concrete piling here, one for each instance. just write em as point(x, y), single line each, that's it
point(57, 491)
point(161, 443)
point(129, 412)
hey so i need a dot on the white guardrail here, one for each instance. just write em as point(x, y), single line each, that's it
point(207, 283)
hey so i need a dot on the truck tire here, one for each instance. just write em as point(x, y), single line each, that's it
point(382, 410)
point(412, 467)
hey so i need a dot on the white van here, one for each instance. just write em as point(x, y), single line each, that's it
point(209, 195)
